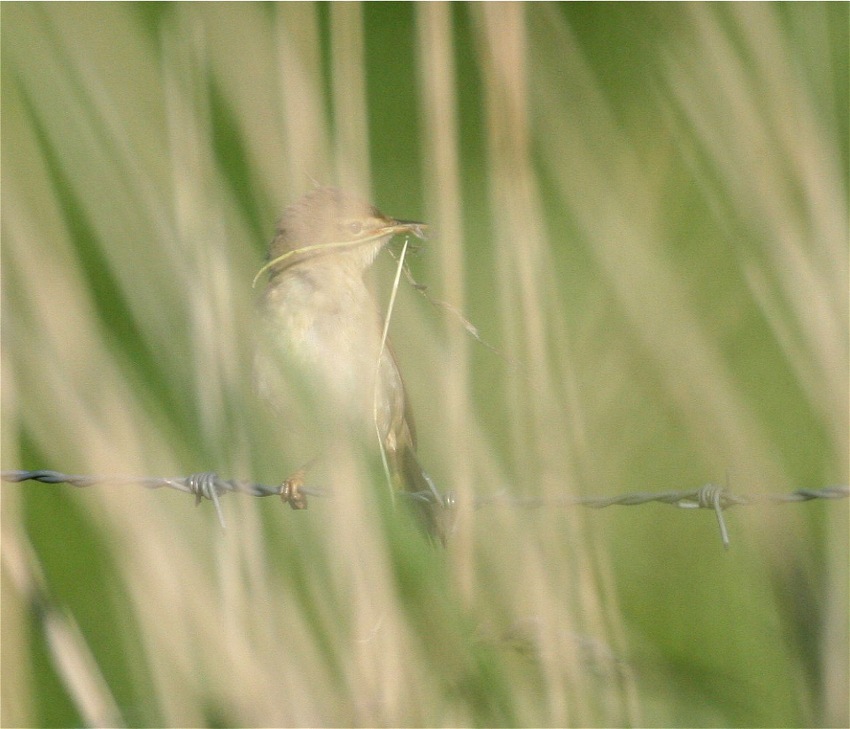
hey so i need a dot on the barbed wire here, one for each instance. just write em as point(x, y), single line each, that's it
point(209, 485)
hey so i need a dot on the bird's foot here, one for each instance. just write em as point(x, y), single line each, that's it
point(290, 490)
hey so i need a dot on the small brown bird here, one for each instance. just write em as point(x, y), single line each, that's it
point(323, 334)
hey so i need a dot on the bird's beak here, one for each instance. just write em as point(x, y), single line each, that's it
point(420, 230)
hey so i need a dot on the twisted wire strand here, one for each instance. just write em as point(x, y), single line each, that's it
point(208, 485)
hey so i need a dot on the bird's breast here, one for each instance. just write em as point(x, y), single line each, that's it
point(330, 338)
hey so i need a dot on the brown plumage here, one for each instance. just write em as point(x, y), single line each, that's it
point(323, 328)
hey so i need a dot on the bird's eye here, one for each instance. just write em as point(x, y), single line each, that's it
point(355, 227)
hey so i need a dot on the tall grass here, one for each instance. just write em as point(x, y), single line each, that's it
point(643, 209)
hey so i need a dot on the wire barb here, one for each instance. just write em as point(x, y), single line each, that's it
point(711, 497)
point(204, 486)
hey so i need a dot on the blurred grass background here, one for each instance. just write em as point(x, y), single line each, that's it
point(643, 207)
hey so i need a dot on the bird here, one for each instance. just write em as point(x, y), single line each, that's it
point(322, 339)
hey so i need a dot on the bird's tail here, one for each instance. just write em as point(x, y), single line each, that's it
point(429, 504)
